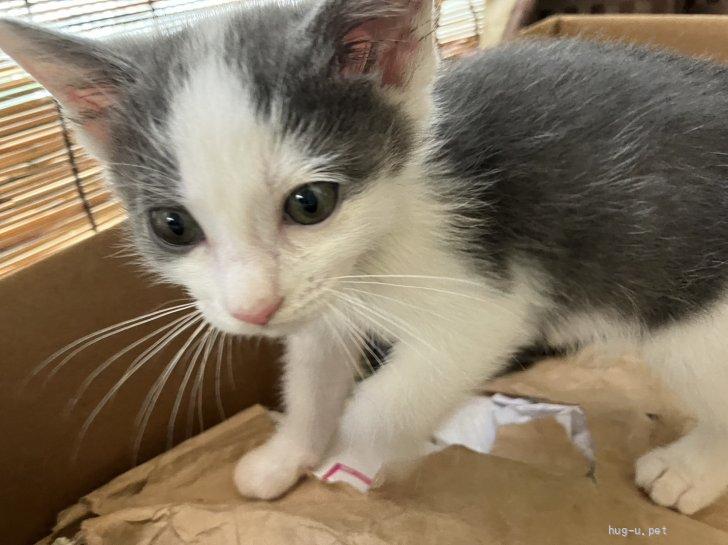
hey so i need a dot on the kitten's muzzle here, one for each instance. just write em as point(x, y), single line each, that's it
point(261, 314)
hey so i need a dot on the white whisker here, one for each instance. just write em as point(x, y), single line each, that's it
point(197, 349)
point(197, 389)
point(381, 326)
point(128, 374)
point(394, 321)
point(218, 372)
point(99, 335)
point(490, 302)
point(107, 363)
point(404, 303)
point(412, 276)
point(355, 367)
point(156, 390)
point(229, 342)
point(360, 337)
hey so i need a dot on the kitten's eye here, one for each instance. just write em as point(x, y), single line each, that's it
point(175, 226)
point(312, 203)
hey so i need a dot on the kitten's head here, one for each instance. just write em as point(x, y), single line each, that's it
point(259, 153)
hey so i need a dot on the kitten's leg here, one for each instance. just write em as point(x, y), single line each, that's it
point(393, 413)
point(693, 359)
point(317, 380)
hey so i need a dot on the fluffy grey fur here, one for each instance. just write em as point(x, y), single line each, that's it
point(605, 165)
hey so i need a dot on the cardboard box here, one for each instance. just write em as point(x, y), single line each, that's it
point(693, 35)
point(85, 288)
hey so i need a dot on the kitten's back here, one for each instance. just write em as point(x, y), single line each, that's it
point(605, 165)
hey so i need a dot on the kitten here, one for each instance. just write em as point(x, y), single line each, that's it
point(306, 172)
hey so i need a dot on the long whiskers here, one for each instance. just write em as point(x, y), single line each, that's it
point(107, 363)
point(197, 348)
point(231, 373)
point(360, 338)
point(153, 396)
point(494, 303)
point(396, 322)
point(197, 389)
point(400, 302)
point(412, 276)
point(83, 343)
point(366, 313)
point(218, 375)
point(137, 364)
point(355, 367)
point(414, 287)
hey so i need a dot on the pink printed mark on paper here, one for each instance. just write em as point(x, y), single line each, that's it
point(346, 469)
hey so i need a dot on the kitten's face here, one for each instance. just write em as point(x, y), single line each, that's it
point(260, 155)
point(254, 215)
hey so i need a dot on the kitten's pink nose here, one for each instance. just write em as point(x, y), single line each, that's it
point(260, 314)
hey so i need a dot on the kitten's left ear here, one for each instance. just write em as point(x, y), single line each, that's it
point(85, 76)
point(391, 40)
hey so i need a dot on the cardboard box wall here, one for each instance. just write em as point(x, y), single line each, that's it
point(84, 288)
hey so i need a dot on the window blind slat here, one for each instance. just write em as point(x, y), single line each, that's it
point(27, 119)
point(24, 190)
point(20, 176)
point(66, 234)
point(43, 222)
point(14, 211)
point(459, 26)
point(34, 151)
point(44, 219)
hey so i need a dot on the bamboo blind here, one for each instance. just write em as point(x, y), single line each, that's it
point(459, 26)
point(52, 194)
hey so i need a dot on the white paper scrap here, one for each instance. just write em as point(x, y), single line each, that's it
point(474, 426)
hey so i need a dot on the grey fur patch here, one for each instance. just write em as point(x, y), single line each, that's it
point(603, 165)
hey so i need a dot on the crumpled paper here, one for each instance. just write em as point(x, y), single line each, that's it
point(533, 487)
point(474, 426)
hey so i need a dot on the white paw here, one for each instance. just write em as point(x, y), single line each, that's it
point(359, 446)
point(270, 470)
point(686, 475)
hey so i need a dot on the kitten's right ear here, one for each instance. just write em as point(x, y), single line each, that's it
point(85, 76)
point(389, 40)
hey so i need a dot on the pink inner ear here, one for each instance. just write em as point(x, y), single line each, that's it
point(90, 102)
point(359, 49)
point(89, 107)
point(387, 45)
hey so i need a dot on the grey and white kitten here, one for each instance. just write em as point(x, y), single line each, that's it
point(307, 172)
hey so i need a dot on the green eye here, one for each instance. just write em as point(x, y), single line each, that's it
point(312, 203)
point(175, 226)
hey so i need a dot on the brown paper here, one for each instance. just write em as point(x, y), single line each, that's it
point(534, 488)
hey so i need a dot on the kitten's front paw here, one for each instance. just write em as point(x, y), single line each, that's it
point(686, 475)
point(269, 471)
